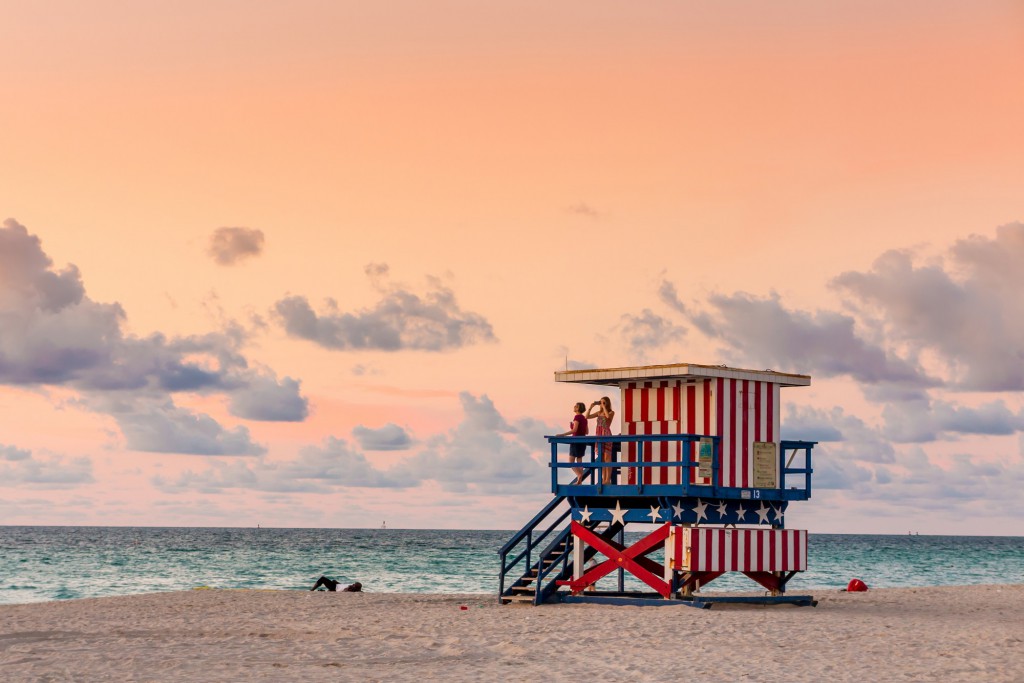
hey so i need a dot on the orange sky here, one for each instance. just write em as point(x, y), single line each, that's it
point(550, 165)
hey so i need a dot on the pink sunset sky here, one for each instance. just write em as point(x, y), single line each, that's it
point(313, 264)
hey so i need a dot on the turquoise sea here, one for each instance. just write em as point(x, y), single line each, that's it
point(61, 563)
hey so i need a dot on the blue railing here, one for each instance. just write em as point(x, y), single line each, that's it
point(795, 449)
point(691, 458)
point(522, 546)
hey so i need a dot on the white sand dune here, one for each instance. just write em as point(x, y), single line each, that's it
point(911, 634)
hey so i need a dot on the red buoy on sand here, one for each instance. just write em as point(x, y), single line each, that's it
point(856, 586)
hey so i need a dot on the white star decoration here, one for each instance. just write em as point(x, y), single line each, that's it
point(618, 514)
point(585, 514)
point(677, 510)
point(723, 508)
point(741, 512)
point(762, 514)
point(655, 514)
point(700, 509)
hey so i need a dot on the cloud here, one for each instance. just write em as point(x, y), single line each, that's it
point(229, 246)
point(908, 334)
point(337, 464)
point(166, 428)
point(971, 314)
point(762, 332)
point(390, 437)
point(25, 272)
point(992, 418)
point(849, 437)
point(964, 310)
point(647, 331)
point(234, 474)
point(265, 398)
point(668, 295)
point(49, 331)
point(319, 469)
point(18, 467)
point(53, 334)
point(484, 453)
point(926, 420)
point(836, 473)
point(400, 320)
point(13, 454)
point(583, 209)
point(487, 454)
point(966, 482)
point(811, 424)
point(860, 460)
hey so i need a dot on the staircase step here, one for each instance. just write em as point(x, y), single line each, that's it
point(524, 589)
point(518, 598)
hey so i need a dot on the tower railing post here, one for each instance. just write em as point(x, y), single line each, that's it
point(782, 467)
point(554, 467)
point(807, 474)
point(640, 468)
point(716, 456)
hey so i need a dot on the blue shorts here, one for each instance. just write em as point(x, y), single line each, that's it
point(577, 450)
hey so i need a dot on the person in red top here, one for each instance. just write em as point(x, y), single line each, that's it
point(578, 427)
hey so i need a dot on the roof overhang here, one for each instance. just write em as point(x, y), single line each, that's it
point(687, 372)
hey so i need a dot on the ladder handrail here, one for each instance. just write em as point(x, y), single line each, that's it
point(531, 542)
point(541, 591)
point(529, 526)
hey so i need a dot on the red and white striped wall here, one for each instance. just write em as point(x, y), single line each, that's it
point(706, 549)
point(746, 411)
point(739, 411)
point(650, 401)
point(660, 451)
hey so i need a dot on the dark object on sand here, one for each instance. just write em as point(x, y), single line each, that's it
point(332, 585)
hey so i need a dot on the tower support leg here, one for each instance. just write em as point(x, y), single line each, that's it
point(632, 559)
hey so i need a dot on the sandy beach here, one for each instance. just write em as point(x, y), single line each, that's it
point(910, 634)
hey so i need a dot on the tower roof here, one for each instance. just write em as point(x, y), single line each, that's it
point(680, 371)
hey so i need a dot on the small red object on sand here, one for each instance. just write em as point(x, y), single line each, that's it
point(464, 607)
point(856, 586)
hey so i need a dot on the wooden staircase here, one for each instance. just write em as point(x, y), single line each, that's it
point(525, 589)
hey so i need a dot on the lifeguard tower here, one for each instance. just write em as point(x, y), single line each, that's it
point(700, 457)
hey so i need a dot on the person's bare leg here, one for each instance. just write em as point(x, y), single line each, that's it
point(606, 456)
point(326, 583)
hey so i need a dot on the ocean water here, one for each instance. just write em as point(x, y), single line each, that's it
point(60, 563)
